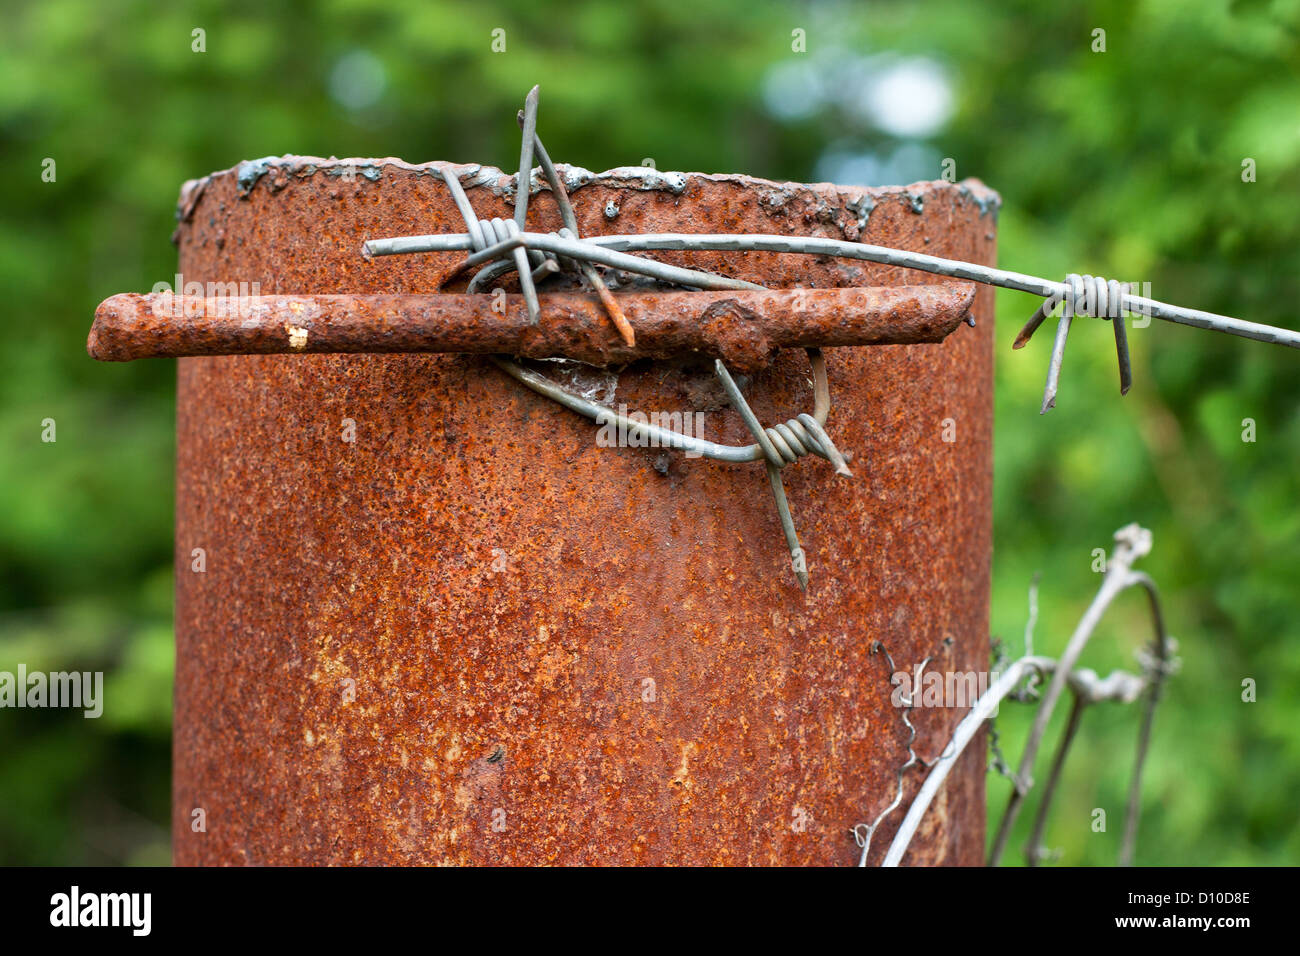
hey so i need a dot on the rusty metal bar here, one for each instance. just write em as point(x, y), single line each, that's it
point(743, 328)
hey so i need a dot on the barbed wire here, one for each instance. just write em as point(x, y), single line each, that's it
point(498, 247)
point(501, 247)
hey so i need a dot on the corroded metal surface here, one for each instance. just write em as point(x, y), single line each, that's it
point(471, 635)
point(743, 328)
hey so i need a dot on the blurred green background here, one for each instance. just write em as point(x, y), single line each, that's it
point(1127, 163)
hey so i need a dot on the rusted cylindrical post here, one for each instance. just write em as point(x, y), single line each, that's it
point(423, 617)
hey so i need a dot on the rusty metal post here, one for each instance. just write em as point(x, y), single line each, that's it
point(438, 624)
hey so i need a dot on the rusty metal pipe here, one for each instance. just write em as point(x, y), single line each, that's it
point(742, 328)
point(441, 619)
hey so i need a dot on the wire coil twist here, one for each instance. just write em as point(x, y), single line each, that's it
point(1082, 295)
point(795, 438)
point(1094, 296)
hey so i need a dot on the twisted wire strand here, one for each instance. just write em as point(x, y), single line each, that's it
point(777, 446)
point(667, 437)
point(818, 246)
point(1094, 296)
point(480, 232)
point(1083, 295)
point(796, 437)
point(781, 445)
point(587, 250)
point(547, 267)
point(863, 839)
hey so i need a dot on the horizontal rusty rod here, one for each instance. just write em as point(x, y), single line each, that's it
point(743, 328)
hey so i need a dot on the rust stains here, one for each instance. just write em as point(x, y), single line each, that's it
point(389, 537)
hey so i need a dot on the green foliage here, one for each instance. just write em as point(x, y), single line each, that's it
point(1125, 163)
